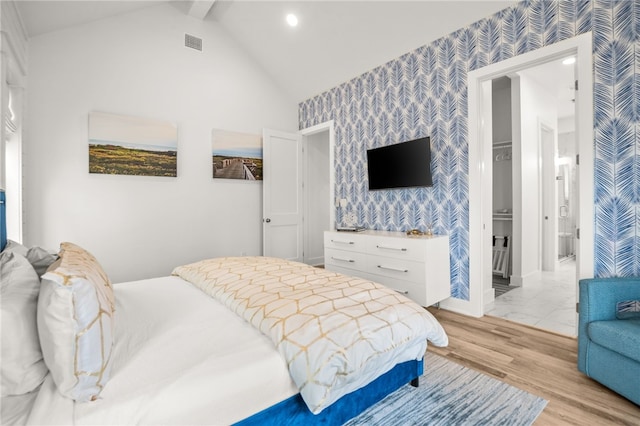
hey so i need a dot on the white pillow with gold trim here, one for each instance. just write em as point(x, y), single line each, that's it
point(75, 323)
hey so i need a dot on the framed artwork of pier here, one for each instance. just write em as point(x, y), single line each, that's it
point(126, 145)
point(236, 155)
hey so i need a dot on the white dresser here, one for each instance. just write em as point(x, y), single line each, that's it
point(417, 266)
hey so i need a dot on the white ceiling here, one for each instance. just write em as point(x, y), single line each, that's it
point(558, 79)
point(44, 16)
point(334, 42)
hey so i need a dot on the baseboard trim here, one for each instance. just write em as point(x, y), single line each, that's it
point(459, 306)
point(534, 276)
point(489, 295)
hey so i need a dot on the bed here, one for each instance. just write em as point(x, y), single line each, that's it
point(217, 342)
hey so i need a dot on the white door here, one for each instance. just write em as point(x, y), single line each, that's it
point(282, 195)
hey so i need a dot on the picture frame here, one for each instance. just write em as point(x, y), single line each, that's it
point(127, 145)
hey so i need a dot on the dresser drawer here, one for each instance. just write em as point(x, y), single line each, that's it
point(399, 248)
point(344, 241)
point(341, 270)
point(344, 259)
point(401, 269)
point(414, 291)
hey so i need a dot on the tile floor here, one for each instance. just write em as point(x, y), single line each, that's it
point(549, 303)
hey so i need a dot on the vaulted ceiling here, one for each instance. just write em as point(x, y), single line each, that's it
point(334, 41)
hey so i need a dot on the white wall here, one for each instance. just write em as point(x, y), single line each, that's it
point(501, 109)
point(567, 124)
point(136, 64)
point(536, 106)
point(502, 165)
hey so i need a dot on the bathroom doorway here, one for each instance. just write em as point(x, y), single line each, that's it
point(528, 108)
point(480, 169)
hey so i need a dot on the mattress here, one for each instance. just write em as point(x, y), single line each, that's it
point(178, 358)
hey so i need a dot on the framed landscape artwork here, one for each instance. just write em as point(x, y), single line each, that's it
point(125, 145)
point(236, 155)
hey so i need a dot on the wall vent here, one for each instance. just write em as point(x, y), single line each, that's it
point(193, 42)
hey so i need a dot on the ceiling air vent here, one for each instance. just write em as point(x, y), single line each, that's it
point(193, 42)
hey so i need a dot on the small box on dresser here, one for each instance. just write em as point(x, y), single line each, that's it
point(417, 266)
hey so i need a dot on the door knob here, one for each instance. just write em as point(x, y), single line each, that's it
point(267, 220)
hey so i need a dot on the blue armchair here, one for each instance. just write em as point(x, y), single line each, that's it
point(609, 348)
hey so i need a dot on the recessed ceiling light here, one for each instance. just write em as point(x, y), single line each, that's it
point(570, 60)
point(292, 20)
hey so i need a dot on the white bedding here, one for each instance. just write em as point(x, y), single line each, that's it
point(15, 409)
point(336, 332)
point(208, 365)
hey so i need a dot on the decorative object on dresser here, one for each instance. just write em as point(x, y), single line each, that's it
point(416, 266)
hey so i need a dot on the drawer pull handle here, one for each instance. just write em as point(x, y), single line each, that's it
point(392, 248)
point(342, 259)
point(392, 268)
point(342, 242)
point(400, 291)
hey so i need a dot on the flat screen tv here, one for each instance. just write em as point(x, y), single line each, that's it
point(401, 165)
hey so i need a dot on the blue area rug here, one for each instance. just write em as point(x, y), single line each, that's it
point(450, 394)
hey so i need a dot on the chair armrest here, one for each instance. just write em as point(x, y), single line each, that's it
point(598, 296)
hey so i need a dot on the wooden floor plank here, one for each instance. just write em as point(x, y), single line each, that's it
point(540, 362)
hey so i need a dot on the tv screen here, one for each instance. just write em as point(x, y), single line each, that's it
point(402, 165)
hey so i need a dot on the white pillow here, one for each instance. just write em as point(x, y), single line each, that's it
point(39, 258)
point(22, 369)
point(75, 322)
point(16, 247)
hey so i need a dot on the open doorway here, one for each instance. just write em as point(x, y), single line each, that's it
point(480, 158)
point(318, 190)
point(529, 210)
point(528, 107)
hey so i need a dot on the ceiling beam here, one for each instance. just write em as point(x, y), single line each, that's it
point(200, 8)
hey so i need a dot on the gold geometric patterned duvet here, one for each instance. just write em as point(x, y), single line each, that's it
point(337, 333)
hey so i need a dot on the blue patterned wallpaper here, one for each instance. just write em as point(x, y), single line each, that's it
point(424, 93)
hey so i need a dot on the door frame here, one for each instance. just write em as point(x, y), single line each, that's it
point(480, 145)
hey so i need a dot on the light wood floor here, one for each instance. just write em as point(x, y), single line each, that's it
point(540, 362)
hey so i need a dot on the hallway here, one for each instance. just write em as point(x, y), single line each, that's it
point(549, 304)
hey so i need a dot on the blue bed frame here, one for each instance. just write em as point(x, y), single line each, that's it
point(3, 220)
point(294, 412)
